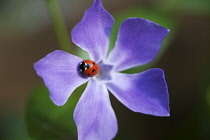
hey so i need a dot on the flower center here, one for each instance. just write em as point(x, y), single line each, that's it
point(105, 72)
point(88, 68)
point(101, 70)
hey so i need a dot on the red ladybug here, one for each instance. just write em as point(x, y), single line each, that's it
point(88, 68)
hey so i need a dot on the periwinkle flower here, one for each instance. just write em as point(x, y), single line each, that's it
point(138, 43)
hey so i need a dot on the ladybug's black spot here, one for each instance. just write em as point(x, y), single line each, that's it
point(93, 63)
point(93, 70)
point(88, 66)
point(83, 66)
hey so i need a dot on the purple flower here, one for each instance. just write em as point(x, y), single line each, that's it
point(138, 43)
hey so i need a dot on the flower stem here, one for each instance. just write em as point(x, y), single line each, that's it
point(59, 25)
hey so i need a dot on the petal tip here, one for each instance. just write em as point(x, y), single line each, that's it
point(151, 22)
point(97, 2)
point(167, 114)
point(93, 31)
point(168, 30)
point(161, 113)
point(37, 67)
point(56, 101)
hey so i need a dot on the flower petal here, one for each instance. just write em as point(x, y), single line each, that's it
point(144, 92)
point(59, 70)
point(138, 42)
point(93, 31)
point(94, 116)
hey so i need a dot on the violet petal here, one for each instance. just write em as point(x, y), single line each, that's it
point(93, 31)
point(144, 92)
point(59, 70)
point(138, 42)
point(94, 116)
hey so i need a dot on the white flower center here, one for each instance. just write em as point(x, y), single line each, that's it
point(105, 72)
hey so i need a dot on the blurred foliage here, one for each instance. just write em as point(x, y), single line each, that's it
point(203, 114)
point(60, 29)
point(208, 95)
point(152, 15)
point(20, 17)
point(12, 127)
point(46, 121)
point(198, 7)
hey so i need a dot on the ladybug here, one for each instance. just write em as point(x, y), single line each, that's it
point(88, 68)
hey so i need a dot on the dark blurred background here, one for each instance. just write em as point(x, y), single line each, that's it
point(27, 35)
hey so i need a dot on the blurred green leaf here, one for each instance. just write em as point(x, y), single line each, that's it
point(208, 95)
point(12, 126)
point(152, 15)
point(192, 6)
point(60, 28)
point(46, 121)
